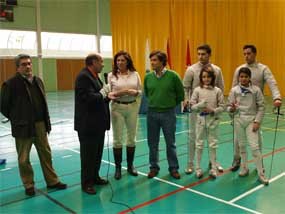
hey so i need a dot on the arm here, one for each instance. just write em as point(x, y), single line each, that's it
point(86, 91)
point(187, 84)
point(270, 80)
point(220, 103)
point(194, 102)
point(5, 100)
point(232, 103)
point(179, 90)
point(145, 86)
point(235, 78)
point(260, 106)
point(220, 81)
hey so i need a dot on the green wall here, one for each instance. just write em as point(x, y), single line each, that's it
point(63, 16)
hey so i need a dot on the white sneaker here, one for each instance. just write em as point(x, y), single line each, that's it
point(262, 179)
point(243, 172)
point(219, 167)
point(213, 173)
point(189, 169)
point(199, 173)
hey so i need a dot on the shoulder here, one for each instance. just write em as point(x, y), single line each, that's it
point(218, 90)
point(239, 67)
point(216, 68)
point(172, 73)
point(256, 88)
point(193, 67)
point(261, 66)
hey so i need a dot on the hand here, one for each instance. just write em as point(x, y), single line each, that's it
point(255, 126)
point(132, 92)
point(277, 103)
point(112, 96)
point(233, 107)
point(208, 110)
point(185, 103)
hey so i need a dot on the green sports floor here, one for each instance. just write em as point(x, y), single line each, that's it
point(227, 194)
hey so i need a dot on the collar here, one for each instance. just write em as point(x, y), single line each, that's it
point(208, 87)
point(94, 74)
point(162, 72)
point(245, 90)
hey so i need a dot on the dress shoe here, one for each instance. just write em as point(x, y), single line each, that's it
point(152, 173)
point(175, 174)
point(100, 181)
point(89, 190)
point(30, 191)
point(58, 186)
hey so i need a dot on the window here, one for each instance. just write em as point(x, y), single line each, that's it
point(13, 42)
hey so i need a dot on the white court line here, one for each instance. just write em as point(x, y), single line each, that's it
point(256, 188)
point(180, 186)
point(5, 169)
point(66, 156)
point(206, 195)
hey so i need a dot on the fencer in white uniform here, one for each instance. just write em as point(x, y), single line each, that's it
point(246, 102)
point(207, 102)
point(190, 82)
point(260, 75)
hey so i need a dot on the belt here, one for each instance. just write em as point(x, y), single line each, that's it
point(125, 103)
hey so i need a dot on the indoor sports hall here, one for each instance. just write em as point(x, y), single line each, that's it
point(59, 34)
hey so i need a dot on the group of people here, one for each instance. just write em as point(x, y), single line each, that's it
point(24, 103)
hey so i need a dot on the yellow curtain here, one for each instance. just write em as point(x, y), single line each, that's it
point(226, 25)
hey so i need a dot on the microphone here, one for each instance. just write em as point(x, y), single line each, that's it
point(106, 78)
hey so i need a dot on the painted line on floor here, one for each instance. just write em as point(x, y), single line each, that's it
point(187, 188)
point(6, 169)
point(256, 188)
point(66, 156)
point(192, 185)
point(182, 188)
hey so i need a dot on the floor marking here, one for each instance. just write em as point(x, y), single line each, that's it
point(182, 188)
point(67, 156)
point(6, 169)
point(273, 129)
point(256, 188)
point(187, 188)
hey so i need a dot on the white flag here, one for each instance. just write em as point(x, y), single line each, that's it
point(147, 52)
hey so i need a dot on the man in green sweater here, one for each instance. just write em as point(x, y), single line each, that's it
point(164, 91)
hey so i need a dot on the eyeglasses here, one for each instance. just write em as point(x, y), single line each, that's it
point(25, 64)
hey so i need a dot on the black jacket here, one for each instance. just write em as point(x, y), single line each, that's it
point(92, 113)
point(16, 104)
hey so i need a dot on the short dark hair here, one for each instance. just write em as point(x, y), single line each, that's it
point(244, 70)
point(160, 55)
point(210, 71)
point(251, 47)
point(19, 57)
point(89, 59)
point(205, 47)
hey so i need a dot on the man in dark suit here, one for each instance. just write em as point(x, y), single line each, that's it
point(91, 120)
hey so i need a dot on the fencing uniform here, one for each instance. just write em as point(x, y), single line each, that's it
point(190, 82)
point(260, 74)
point(207, 123)
point(250, 109)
